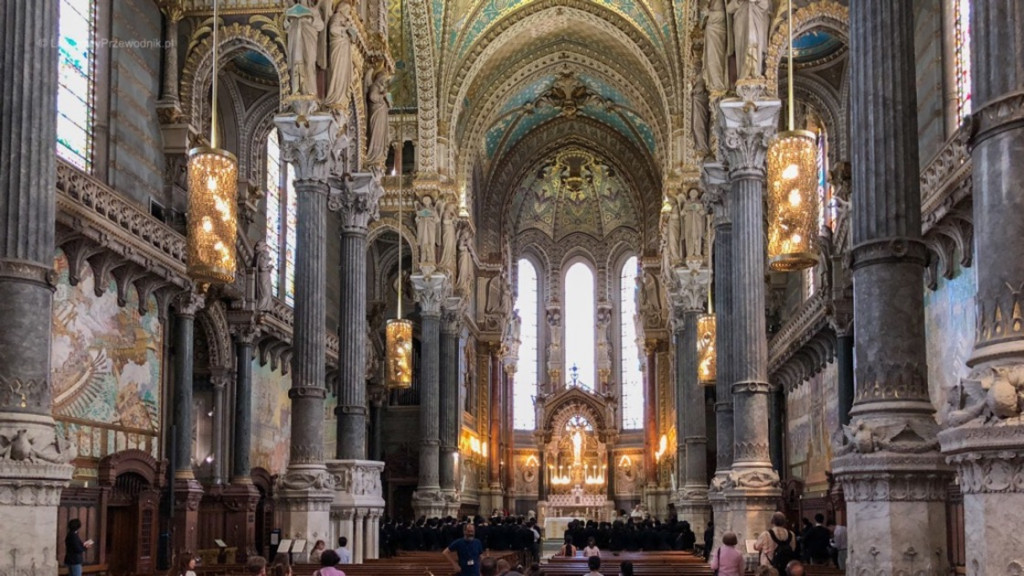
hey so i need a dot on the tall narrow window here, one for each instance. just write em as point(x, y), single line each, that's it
point(524, 416)
point(962, 44)
point(630, 371)
point(76, 81)
point(580, 326)
point(281, 221)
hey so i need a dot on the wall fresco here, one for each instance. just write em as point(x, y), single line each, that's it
point(272, 417)
point(949, 315)
point(812, 411)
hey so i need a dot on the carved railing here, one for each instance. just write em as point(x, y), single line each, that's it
point(803, 345)
point(117, 237)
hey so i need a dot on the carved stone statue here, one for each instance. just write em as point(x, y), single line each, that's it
point(673, 243)
point(750, 22)
point(379, 103)
point(303, 23)
point(427, 223)
point(701, 116)
point(264, 267)
point(694, 224)
point(465, 276)
point(650, 296)
point(715, 46)
point(448, 239)
point(340, 34)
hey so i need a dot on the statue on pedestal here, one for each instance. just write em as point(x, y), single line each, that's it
point(716, 40)
point(427, 223)
point(750, 22)
point(303, 24)
point(694, 224)
point(340, 35)
point(448, 239)
point(380, 104)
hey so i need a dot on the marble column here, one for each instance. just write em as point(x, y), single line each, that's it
point(38, 474)
point(494, 429)
point(893, 478)
point(219, 383)
point(173, 12)
point(376, 427)
point(187, 490)
point(745, 128)
point(651, 427)
point(844, 367)
point(305, 489)
point(689, 292)
point(716, 193)
point(431, 292)
point(450, 413)
point(985, 435)
point(542, 474)
point(356, 199)
point(241, 495)
point(776, 426)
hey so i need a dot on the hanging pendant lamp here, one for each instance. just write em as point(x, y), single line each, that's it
point(707, 334)
point(792, 174)
point(398, 343)
point(212, 201)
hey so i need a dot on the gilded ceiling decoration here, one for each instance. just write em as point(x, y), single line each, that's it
point(573, 192)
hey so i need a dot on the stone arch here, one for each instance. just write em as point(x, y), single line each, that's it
point(132, 461)
point(196, 73)
point(426, 86)
point(827, 14)
point(571, 402)
point(214, 321)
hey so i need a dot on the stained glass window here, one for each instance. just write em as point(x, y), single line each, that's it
point(524, 416)
point(75, 88)
point(630, 370)
point(281, 221)
point(962, 68)
point(580, 325)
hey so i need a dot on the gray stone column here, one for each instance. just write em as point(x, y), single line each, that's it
point(31, 478)
point(985, 439)
point(776, 428)
point(844, 366)
point(450, 413)
point(689, 292)
point(245, 337)
point(187, 490)
point(305, 489)
point(173, 12)
point(893, 478)
point(746, 128)
point(219, 383)
point(356, 198)
point(376, 424)
point(430, 291)
point(716, 186)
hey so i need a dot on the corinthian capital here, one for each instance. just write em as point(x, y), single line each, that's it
point(356, 197)
point(745, 130)
point(307, 143)
point(431, 292)
point(690, 289)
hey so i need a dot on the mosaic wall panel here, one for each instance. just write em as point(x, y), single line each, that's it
point(106, 366)
point(949, 334)
point(271, 425)
point(812, 421)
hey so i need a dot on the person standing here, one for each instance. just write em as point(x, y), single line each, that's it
point(464, 553)
point(816, 541)
point(839, 542)
point(709, 540)
point(74, 548)
point(728, 560)
point(344, 555)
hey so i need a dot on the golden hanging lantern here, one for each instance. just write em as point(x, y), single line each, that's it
point(707, 353)
point(212, 215)
point(212, 201)
point(792, 201)
point(399, 353)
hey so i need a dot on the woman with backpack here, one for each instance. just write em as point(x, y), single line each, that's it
point(777, 545)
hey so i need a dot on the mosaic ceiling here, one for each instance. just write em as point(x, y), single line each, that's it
point(573, 192)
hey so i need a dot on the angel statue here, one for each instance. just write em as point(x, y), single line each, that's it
point(303, 24)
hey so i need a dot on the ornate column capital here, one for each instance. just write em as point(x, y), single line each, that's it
point(689, 290)
point(452, 314)
point(188, 303)
point(173, 10)
point(356, 197)
point(746, 129)
point(246, 332)
point(430, 291)
point(307, 143)
point(716, 183)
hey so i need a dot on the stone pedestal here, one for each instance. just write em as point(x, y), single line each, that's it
point(752, 487)
point(357, 506)
point(305, 490)
point(241, 500)
point(188, 492)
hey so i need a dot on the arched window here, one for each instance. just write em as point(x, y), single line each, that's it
point(630, 372)
point(282, 213)
point(527, 301)
point(76, 81)
point(962, 50)
point(580, 326)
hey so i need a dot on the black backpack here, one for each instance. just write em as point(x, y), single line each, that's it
point(784, 552)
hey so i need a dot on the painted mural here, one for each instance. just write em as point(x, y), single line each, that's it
point(272, 410)
point(106, 366)
point(812, 421)
point(949, 334)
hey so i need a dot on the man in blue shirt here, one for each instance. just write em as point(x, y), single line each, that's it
point(464, 553)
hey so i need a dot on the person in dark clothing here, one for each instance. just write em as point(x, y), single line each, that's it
point(709, 540)
point(464, 553)
point(816, 541)
point(74, 548)
point(687, 538)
